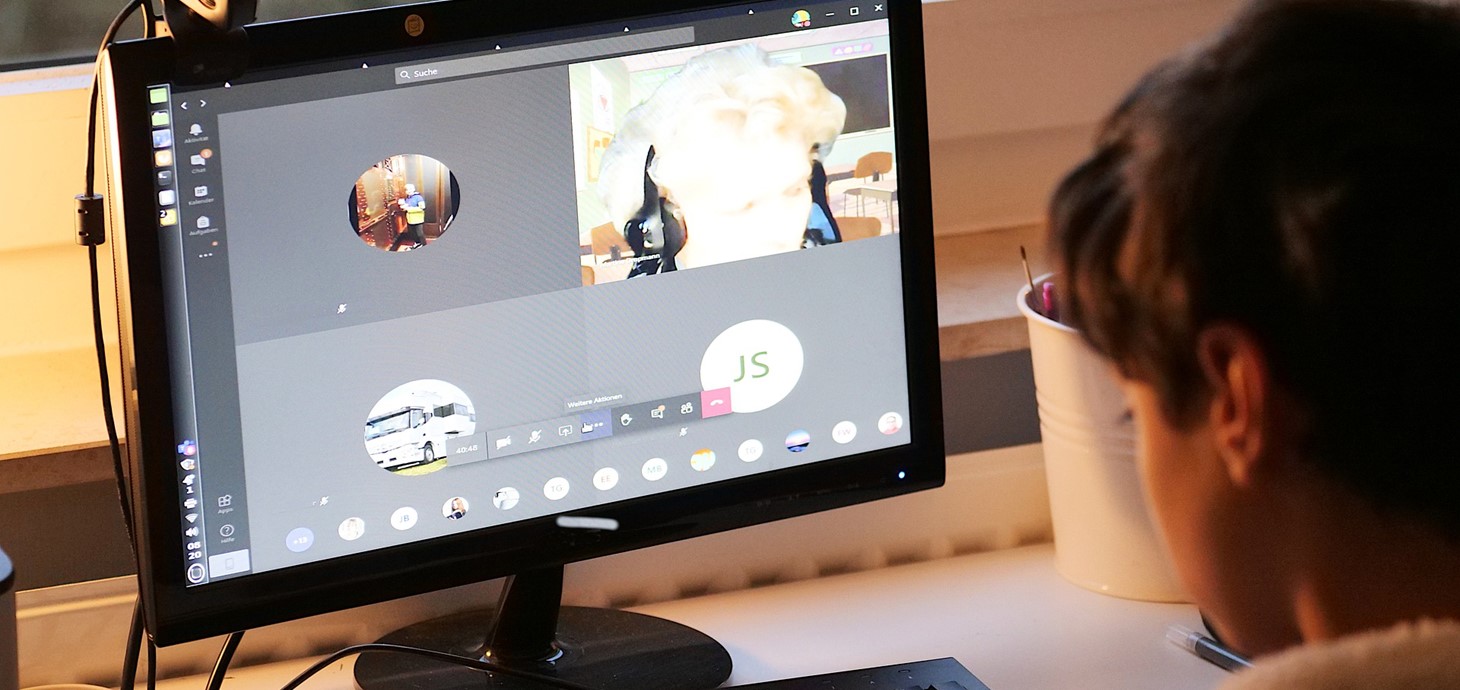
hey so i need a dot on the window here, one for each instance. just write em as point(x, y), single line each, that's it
point(41, 33)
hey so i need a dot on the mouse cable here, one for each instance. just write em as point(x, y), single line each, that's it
point(475, 664)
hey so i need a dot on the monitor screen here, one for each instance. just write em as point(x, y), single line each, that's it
point(402, 305)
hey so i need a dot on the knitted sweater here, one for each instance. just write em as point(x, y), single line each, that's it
point(1412, 656)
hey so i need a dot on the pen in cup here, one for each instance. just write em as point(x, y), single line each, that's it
point(1206, 648)
point(1042, 297)
point(1024, 258)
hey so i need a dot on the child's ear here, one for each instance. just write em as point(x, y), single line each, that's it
point(1243, 411)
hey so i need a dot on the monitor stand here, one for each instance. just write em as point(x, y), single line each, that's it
point(530, 631)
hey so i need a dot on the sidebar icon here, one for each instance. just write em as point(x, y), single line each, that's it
point(189, 485)
point(159, 99)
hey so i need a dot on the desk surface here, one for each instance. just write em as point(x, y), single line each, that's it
point(1007, 615)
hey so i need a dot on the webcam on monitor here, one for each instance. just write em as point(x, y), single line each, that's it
point(211, 43)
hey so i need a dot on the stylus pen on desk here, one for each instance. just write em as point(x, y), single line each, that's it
point(1206, 648)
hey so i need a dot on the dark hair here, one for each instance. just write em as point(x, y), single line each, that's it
point(1298, 176)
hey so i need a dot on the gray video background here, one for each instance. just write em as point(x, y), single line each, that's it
point(506, 139)
point(495, 308)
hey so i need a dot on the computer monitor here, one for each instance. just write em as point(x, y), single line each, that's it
point(446, 292)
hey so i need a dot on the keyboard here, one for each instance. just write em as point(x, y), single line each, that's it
point(933, 674)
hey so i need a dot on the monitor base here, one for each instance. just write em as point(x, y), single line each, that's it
point(605, 649)
point(600, 648)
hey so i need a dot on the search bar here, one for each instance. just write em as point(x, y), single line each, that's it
point(545, 55)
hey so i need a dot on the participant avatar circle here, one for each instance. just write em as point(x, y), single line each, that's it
point(455, 508)
point(844, 432)
point(760, 361)
point(404, 202)
point(403, 518)
point(352, 529)
point(703, 459)
point(506, 498)
point(414, 427)
point(605, 478)
point(798, 440)
point(555, 488)
point(299, 539)
point(751, 450)
point(890, 423)
point(655, 469)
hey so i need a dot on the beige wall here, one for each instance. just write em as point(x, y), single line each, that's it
point(42, 271)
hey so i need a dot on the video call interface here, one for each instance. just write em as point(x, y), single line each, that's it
point(427, 297)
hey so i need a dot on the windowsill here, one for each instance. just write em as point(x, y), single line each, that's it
point(51, 407)
point(979, 274)
point(43, 79)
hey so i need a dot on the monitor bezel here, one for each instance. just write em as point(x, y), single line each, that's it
point(178, 613)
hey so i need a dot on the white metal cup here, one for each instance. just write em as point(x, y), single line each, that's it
point(1104, 538)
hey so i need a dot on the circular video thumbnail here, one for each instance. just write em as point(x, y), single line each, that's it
point(404, 202)
point(506, 498)
point(890, 423)
point(702, 460)
point(352, 528)
point(411, 430)
point(455, 508)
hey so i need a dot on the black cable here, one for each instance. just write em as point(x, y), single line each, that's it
point(476, 664)
point(151, 665)
point(225, 657)
point(149, 31)
point(106, 396)
point(129, 663)
point(106, 40)
point(135, 634)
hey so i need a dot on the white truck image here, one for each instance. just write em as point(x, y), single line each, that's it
point(416, 432)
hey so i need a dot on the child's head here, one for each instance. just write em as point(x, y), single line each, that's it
point(1261, 242)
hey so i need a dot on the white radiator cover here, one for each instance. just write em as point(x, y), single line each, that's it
point(992, 500)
